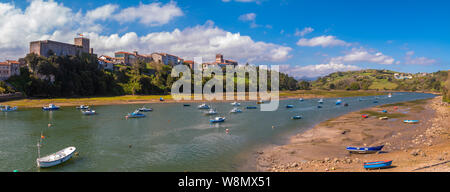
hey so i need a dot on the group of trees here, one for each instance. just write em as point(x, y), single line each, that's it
point(80, 76)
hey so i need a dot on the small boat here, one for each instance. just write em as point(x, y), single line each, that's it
point(236, 110)
point(217, 120)
point(211, 112)
point(377, 164)
point(135, 114)
point(338, 102)
point(365, 116)
point(144, 109)
point(321, 101)
point(88, 112)
point(289, 106)
point(83, 107)
point(297, 117)
point(390, 95)
point(384, 111)
point(364, 150)
point(203, 106)
point(50, 107)
point(161, 99)
point(375, 101)
point(9, 109)
point(236, 104)
point(319, 106)
point(259, 102)
point(56, 158)
point(384, 118)
point(252, 107)
point(411, 121)
point(186, 105)
point(345, 104)
point(301, 99)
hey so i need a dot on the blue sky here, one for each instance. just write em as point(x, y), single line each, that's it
point(307, 38)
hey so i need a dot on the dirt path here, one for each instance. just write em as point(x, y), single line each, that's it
point(419, 147)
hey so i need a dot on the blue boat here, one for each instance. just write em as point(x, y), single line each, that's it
point(375, 101)
point(289, 106)
point(364, 150)
point(338, 102)
point(217, 120)
point(203, 106)
point(9, 109)
point(377, 164)
point(135, 114)
point(297, 117)
point(252, 107)
point(411, 121)
point(50, 107)
point(145, 109)
point(161, 99)
point(384, 111)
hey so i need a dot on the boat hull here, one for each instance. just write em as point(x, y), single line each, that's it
point(46, 164)
point(364, 150)
point(377, 164)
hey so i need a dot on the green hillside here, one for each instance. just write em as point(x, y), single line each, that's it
point(383, 80)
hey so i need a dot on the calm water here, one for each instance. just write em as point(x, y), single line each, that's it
point(171, 138)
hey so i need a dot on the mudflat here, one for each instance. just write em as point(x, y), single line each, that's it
point(412, 147)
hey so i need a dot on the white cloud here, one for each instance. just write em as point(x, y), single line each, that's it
point(303, 32)
point(101, 13)
point(324, 41)
point(362, 55)
point(311, 71)
point(417, 60)
point(248, 17)
point(202, 40)
point(153, 14)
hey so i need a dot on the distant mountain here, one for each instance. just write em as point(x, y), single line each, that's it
point(372, 79)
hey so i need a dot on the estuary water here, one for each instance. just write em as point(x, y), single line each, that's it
point(171, 138)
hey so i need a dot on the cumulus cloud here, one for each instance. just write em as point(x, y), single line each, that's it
point(312, 71)
point(362, 55)
point(54, 21)
point(411, 60)
point(153, 14)
point(199, 41)
point(304, 31)
point(324, 41)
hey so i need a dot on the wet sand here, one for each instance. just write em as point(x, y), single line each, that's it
point(412, 147)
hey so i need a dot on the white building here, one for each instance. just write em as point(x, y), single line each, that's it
point(8, 69)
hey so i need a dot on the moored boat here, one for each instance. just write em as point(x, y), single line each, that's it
point(338, 102)
point(365, 116)
point(203, 106)
point(301, 99)
point(88, 112)
point(378, 164)
point(186, 105)
point(236, 110)
point(83, 107)
point(319, 106)
point(9, 109)
point(289, 106)
point(320, 101)
point(252, 107)
point(135, 114)
point(145, 109)
point(297, 117)
point(56, 158)
point(50, 107)
point(384, 118)
point(161, 99)
point(211, 112)
point(390, 95)
point(364, 150)
point(236, 104)
point(217, 120)
point(411, 121)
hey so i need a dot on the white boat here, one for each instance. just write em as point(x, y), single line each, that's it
point(204, 106)
point(321, 101)
point(211, 112)
point(56, 158)
point(236, 110)
point(236, 104)
point(9, 109)
point(145, 109)
point(390, 95)
point(217, 120)
point(88, 112)
point(82, 107)
point(301, 99)
point(50, 107)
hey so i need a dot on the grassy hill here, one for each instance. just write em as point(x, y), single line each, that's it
point(383, 80)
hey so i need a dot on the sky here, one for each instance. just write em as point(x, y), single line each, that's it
point(306, 38)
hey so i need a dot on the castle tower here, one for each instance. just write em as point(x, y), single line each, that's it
point(83, 42)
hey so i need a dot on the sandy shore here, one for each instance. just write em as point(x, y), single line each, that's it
point(420, 147)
